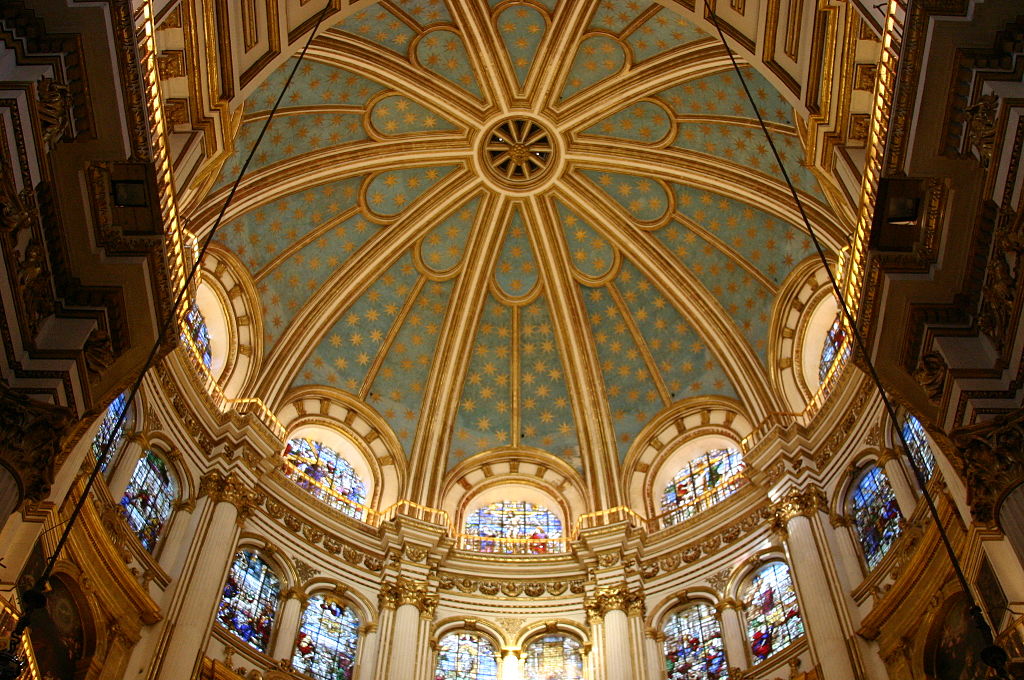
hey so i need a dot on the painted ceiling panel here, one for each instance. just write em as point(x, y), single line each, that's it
point(380, 26)
point(522, 29)
point(442, 248)
point(646, 122)
point(644, 199)
point(397, 391)
point(597, 58)
point(396, 115)
point(767, 243)
point(662, 32)
point(615, 15)
point(444, 53)
point(314, 84)
point(390, 193)
point(346, 353)
point(425, 12)
point(590, 253)
point(720, 94)
point(516, 272)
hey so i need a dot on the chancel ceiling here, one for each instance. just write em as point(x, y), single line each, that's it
point(518, 224)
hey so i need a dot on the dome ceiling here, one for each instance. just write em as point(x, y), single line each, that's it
point(543, 224)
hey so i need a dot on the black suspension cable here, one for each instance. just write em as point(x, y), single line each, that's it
point(34, 598)
point(993, 655)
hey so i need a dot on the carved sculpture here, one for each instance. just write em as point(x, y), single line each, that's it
point(54, 110)
point(981, 126)
point(931, 375)
point(31, 438)
point(990, 459)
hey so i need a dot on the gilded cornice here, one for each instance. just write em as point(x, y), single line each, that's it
point(509, 588)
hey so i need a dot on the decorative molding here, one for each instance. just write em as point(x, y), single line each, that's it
point(800, 503)
point(509, 588)
point(231, 489)
point(614, 598)
point(990, 459)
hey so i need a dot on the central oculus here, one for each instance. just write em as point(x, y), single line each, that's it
point(518, 152)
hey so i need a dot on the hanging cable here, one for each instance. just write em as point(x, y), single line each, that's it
point(993, 655)
point(34, 599)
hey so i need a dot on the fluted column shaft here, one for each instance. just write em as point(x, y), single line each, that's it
point(654, 644)
point(616, 645)
point(288, 624)
point(898, 474)
point(408, 655)
point(734, 637)
point(123, 468)
point(366, 656)
point(510, 665)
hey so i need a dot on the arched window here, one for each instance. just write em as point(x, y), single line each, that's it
point(917, 441)
point(834, 348)
point(148, 500)
point(514, 527)
point(249, 599)
point(772, 612)
point(110, 430)
point(876, 516)
point(693, 645)
point(466, 656)
point(327, 476)
point(196, 334)
point(706, 480)
point(554, 656)
point(325, 648)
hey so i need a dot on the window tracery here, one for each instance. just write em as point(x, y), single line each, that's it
point(554, 656)
point(513, 527)
point(917, 441)
point(771, 610)
point(110, 430)
point(249, 599)
point(876, 516)
point(147, 502)
point(197, 335)
point(693, 645)
point(834, 349)
point(328, 639)
point(325, 475)
point(703, 482)
point(466, 656)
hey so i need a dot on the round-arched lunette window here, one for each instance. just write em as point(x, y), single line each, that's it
point(917, 443)
point(704, 481)
point(249, 600)
point(835, 349)
point(693, 644)
point(554, 656)
point(876, 515)
point(147, 502)
point(328, 639)
point(466, 656)
point(110, 430)
point(196, 335)
point(513, 528)
point(325, 475)
point(771, 610)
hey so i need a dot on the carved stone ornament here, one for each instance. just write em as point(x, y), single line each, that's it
point(611, 598)
point(407, 591)
point(229, 489)
point(1001, 278)
point(931, 375)
point(54, 110)
point(31, 437)
point(305, 571)
point(800, 502)
point(15, 207)
point(990, 459)
point(981, 126)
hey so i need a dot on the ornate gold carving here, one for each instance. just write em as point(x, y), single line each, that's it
point(54, 110)
point(508, 588)
point(728, 603)
point(31, 438)
point(800, 502)
point(719, 580)
point(990, 459)
point(612, 598)
point(406, 591)
point(931, 375)
point(231, 489)
point(1003, 273)
point(15, 207)
point(981, 126)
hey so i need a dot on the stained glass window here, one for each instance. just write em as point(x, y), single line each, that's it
point(917, 440)
point(693, 645)
point(554, 657)
point(197, 334)
point(876, 516)
point(772, 612)
point(466, 656)
point(146, 503)
point(249, 599)
point(326, 475)
point(704, 481)
point(514, 527)
point(109, 431)
point(835, 348)
point(325, 648)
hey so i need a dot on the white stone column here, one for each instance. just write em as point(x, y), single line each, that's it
point(366, 654)
point(734, 636)
point(408, 655)
point(807, 561)
point(616, 645)
point(844, 539)
point(227, 499)
point(511, 669)
point(120, 473)
point(654, 642)
point(898, 474)
point(385, 639)
point(287, 624)
point(596, 657)
point(172, 546)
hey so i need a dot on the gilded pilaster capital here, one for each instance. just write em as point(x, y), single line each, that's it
point(728, 603)
point(837, 520)
point(296, 593)
point(367, 629)
point(886, 455)
point(231, 489)
point(611, 598)
point(407, 591)
point(800, 503)
point(387, 598)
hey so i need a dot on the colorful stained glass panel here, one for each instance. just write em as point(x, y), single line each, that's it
point(835, 348)
point(693, 645)
point(110, 430)
point(325, 648)
point(876, 516)
point(197, 335)
point(147, 502)
point(249, 599)
point(920, 450)
point(466, 656)
point(772, 612)
point(325, 475)
point(513, 527)
point(705, 481)
point(554, 657)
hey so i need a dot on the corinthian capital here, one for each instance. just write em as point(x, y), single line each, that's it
point(611, 598)
point(407, 591)
point(231, 489)
point(800, 502)
point(989, 457)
